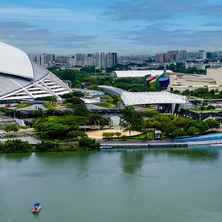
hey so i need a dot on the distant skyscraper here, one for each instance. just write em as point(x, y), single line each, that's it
point(202, 55)
point(111, 59)
point(171, 56)
point(80, 59)
point(99, 60)
point(181, 56)
point(102, 60)
point(44, 60)
point(160, 58)
point(89, 60)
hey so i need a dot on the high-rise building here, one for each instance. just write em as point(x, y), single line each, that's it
point(89, 60)
point(171, 56)
point(100, 60)
point(111, 59)
point(181, 56)
point(160, 58)
point(80, 59)
point(72, 61)
point(44, 60)
point(63, 60)
point(202, 55)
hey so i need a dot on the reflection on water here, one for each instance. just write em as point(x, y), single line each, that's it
point(132, 162)
point(194, 154)
point(79, 161)
point(16, 157)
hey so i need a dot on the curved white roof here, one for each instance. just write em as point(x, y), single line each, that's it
point(145, 98)
point(152, 98)
point(140, 73)
point(15, 62)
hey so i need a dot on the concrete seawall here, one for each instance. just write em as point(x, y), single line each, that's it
point(105, 145)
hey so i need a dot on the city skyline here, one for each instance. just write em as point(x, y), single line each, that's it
point(123, 26)
point(130, 54)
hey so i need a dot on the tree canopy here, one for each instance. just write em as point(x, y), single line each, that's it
point(131, 120)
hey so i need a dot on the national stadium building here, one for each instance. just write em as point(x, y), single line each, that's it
point(22, 79)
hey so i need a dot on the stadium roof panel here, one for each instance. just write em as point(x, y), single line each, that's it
point(22, 79)
point(15, 62)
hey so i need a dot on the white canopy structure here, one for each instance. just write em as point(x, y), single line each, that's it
point(22, 79)
point(146, 98)
point(152, 98)
point(140, 73)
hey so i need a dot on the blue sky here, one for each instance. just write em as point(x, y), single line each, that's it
point(125, 26)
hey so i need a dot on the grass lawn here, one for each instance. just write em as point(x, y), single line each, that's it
point(142, 137)
point(107, 105)
point(207, 111)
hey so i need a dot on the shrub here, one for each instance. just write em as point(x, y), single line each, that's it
point(45, 146)
point(118, 134)
point(12, 128)
point(193, 131)
point(108, 135)
point(15, 146)
point(212, 123)
point(88, 144)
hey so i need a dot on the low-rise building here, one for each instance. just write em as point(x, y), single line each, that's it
point(216, 75)
point(181, 82)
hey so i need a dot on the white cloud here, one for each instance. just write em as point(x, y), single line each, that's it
point(47, 14)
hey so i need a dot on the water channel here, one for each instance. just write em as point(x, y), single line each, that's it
point(127, 186)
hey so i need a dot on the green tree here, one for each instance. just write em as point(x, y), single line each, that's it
point(88, 144)
point(58, 127)
point(131, 120)
point(212, 123)
point(97, 120)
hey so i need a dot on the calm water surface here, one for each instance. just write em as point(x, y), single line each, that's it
point(156, 186)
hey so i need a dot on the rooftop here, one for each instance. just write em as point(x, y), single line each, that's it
point(152, 98)
point(145, 98)
point(15, 62)
point(140, 73)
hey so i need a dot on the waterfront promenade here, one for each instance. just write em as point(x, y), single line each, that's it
point(109, 145)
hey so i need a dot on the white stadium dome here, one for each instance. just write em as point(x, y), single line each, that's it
point(20, 78)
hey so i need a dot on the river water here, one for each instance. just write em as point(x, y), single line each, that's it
point(141, 186)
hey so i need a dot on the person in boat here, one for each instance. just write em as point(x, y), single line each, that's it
point(36, 207)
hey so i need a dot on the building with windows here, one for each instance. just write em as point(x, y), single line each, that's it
point(20, 78)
